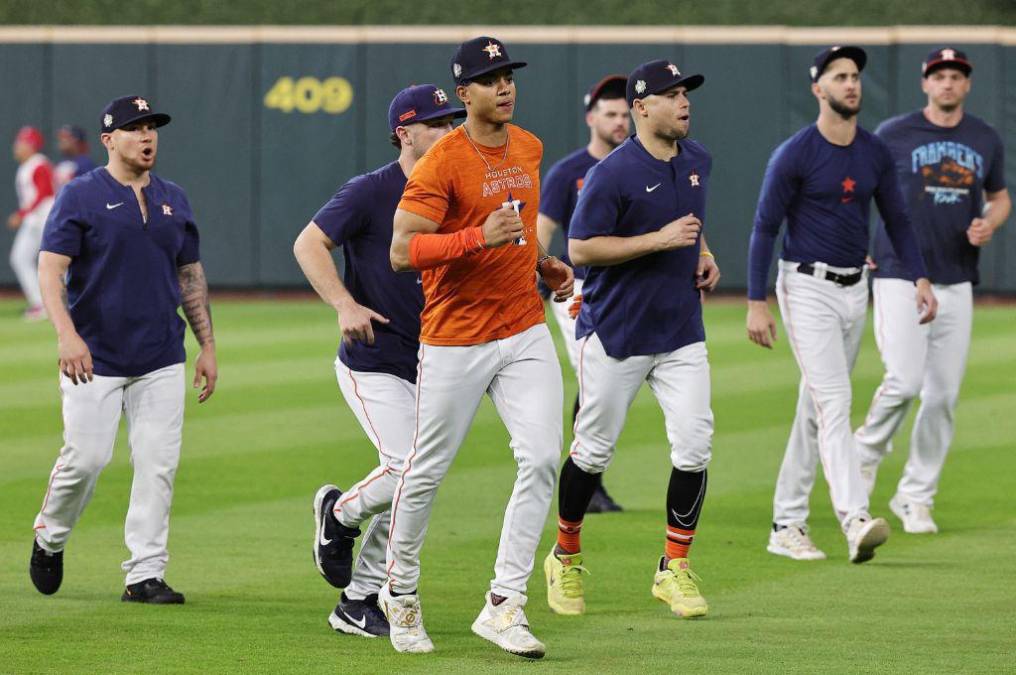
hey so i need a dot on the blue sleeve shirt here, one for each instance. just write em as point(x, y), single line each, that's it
point(648, 305)
point(123, 288)
point(943, 172)
point(824, 191)
point(359, 219)
point(559, 192)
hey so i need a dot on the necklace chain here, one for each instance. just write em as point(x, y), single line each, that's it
point(482, 157)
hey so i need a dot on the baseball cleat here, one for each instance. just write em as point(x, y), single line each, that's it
point(359, 617)
point(793, 542)
point(675, 585)
point(506, 625)
point(602, 502)
point(864, 535)
point(565, 594)
point(153, 591)
point(405, 619)
point(916, 517)
point(333, 542)
point(46, 569)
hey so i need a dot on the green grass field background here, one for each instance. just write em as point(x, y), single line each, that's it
point(277, 429)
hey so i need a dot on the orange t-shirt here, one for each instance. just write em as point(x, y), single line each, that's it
point(489, 295)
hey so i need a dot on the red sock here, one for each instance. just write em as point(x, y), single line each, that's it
point(678, 542)
point(568, 535)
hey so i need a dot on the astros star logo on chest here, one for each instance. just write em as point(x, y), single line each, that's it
point(848, 184)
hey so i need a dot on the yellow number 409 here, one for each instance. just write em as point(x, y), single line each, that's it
point(333, 95)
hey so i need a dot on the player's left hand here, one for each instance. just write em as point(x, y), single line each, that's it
point(708, 273)
point(14, 221)
point(980, 231)
point(206, 367)
point(559, 277)
point(927, 303)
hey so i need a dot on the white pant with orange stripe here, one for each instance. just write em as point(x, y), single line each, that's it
point(154, 405)
point(385, 406)
point(607, 387)
point(522, 376)
point(926, 361)
point(824, 323)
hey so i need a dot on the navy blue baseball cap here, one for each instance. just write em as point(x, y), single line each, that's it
point(125, 110)
point(420, 103)
point(946, 57)
point(656, 77)
point(480, 56)
point(612, 86)
point(827, 56)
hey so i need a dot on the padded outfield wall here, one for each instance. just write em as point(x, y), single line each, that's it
point(269, 121)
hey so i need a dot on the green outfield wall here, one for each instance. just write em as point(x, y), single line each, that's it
point(268, 122)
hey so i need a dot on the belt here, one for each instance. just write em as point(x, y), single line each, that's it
point(836, 278)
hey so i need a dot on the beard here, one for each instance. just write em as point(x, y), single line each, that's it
point(610, 139)
point(844, 110)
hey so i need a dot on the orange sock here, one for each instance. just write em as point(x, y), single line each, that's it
point(568, 535)
point(678, 542)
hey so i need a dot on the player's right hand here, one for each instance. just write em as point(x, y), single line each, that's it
point(501, 227)
point(680, 233)
point(761, 325)
point(355, 322)
point(75, 359)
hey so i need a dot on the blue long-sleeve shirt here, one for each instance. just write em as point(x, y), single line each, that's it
point(824, 192)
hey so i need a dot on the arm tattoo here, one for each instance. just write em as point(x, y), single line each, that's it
point(194, 298)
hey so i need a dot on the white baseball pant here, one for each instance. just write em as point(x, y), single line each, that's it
point(920, 360)
point(824, 323)
point(154, 405)
point(607, 387)
point(522, 376)
point(385, 406)
point(25, 254)
point(567, 326)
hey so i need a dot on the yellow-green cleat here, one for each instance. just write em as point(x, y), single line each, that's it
point(675, 585)
point(564, 583)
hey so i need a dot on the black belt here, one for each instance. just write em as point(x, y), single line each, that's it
point(841, 279)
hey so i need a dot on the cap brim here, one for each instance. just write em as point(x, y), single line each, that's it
point(931, 67)
point(689, 82)
point(160, 119)
point(456, 113)
point(490, 68)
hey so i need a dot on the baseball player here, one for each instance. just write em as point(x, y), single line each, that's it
point(379, 316)
point(467, 220)
point(34, 185)
point(73, 144)
point(119, 256)
point(637, 231)
point(822, 180)
point(608, 121)
point(952, 169)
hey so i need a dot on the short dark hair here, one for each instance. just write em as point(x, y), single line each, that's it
point(394, 140)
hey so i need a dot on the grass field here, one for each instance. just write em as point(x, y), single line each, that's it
point(276, 429)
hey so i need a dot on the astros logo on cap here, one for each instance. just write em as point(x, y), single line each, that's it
point(440, 97)
point(673, 69)
point(493, 50)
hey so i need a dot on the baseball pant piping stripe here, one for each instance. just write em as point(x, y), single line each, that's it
point(409, 461)
point(370, 423)
point(804, 374)
point(575, 424)
point(45, 501)
point(363, 485)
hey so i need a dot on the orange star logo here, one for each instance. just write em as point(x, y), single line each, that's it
point(493, 50)
point(848, 184)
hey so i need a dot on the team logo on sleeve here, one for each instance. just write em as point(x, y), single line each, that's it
point(167, 210)
point(694, 178)
point(141, 104)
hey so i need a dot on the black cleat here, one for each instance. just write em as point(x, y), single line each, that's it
point(333, 542)
point(359, 617)
point(601, 502)
point(152, 591)
point(46, 569)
